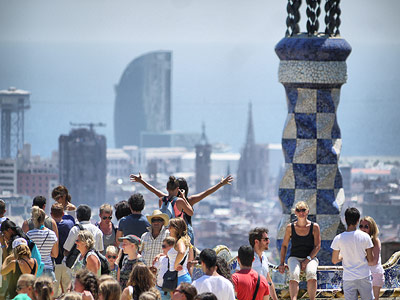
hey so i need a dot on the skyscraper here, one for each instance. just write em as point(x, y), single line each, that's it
point(203, 163)
point(143, 98)
point(83, 165)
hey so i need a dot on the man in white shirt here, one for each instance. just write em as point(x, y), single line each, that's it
point(83, 214)
point(211, 281)
point(354, 248)
point(259, 240)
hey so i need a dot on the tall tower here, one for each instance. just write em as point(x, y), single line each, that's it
point(143, 98)
point(83, 161)
point(312, 69)
point(252, 176)
point(203, 162)
point(13, 104)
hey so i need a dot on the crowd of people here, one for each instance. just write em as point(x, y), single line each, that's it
point(67, 256)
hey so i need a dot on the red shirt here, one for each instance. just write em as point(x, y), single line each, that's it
point(245, 282)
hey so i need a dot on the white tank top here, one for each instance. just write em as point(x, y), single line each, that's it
point(378, 267)
point(172, 253)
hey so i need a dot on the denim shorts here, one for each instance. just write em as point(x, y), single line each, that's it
point(184, 278)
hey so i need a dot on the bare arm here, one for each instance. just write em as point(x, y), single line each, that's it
point(55, 228)
point(198, 197)
point(139, 179)
point(336, 258)
point(266, 297)
point(25, 226)
point(376, 251)
point(54, 250)
point(272, 291)
point(370, 257)
point(8, 265)
point(125, 294)
point(92, 264)
point(285, 244)
point(183, 204)
point(181, 248)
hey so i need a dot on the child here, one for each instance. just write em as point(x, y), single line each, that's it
point(130, 246)
point(161, 263)
point(112, 254)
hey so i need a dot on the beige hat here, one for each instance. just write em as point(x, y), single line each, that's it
point(158, 214)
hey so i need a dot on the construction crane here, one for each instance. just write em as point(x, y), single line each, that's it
point(90, 125)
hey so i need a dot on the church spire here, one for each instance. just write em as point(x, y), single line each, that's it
point(203, 138)
point(250, 139)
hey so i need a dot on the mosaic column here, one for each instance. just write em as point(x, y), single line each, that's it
point(312, 69)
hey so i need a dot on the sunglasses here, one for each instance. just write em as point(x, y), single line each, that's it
point(179, 291)
point(105, 218)
point(164, 246)
point(112, 256)
point(301, 209)
point(364, 226)
point(157, 220)
point(265, 239)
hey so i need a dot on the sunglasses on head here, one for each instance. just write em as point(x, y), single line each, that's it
point(364, 226)
point(105, 218)
point(112, 256)
point(301, 209)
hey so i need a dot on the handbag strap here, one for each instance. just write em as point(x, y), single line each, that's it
point(181, 263)
point(257, 286)
point(44, 240)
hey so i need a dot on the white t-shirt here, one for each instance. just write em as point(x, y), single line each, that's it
point(352, 246)
point(73, 235)
point(220, 286)
point(162, 267)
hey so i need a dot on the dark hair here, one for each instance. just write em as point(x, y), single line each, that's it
point(88, 280)
point(141, 278)
point(2, 207)
point(83, 212)
point(136, 202)
point(206, 296)
point(122, 209)
point(172, 183)
point(183, 185)
point(39, 201)
point(223, 268)
point(256, 234)
point(352, 216)
point(17, 231)
point(61, 190)
point(189, 290)
point(246, 255)
point(208, 257)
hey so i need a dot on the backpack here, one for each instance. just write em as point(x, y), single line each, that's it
point(36, 255)
point(73, 253)
point(104, 266)
point(169, 208)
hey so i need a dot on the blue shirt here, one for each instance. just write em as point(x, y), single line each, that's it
point(133, 224)
point(261, 266)
point(64, 228)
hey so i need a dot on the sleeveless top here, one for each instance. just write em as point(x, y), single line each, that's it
point(302, 246)
point(172, 253)
point(47, 223)
point(377, 269)
point(14, 276)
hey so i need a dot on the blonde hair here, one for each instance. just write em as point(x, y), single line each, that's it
point(87, 237)
point(301, 204)
point(110, 289)
point(112, 249)
point(169, 240)
point(180, 225)
point(152, 294)
point(38, 216)
point(107, 208)
point(373, 228)
point(22, 250)
point(43, 287)
point(71, 296)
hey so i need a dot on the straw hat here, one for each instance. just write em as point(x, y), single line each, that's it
point(158, 214)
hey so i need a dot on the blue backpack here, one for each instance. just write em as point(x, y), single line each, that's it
point(36, 255)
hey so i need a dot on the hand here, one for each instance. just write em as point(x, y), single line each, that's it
point(136, 178)
point(182, 193)
point(282, 268)
point(179, 268)
point(304, 264)
point(157, 258)
point(227, 180)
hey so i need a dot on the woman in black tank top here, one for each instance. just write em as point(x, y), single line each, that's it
point(306, 243)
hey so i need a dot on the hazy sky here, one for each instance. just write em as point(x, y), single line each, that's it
point(70, 54)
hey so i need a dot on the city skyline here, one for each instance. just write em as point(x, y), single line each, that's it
point(219, 66)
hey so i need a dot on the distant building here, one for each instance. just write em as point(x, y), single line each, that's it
point(143, 98)
point(252, 175)
point(83, 166)
point(118, 164)
point(8, 176)
point(203, 163)
point(168, 139)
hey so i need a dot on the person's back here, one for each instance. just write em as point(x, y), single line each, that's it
point(218, 285)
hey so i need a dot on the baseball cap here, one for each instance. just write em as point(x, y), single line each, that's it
point(131, 238)
point(19, 241)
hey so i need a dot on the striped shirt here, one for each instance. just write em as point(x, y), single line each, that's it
point(151, 246)
point(44, 244)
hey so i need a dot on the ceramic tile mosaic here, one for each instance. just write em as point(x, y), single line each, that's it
point(312, 71)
